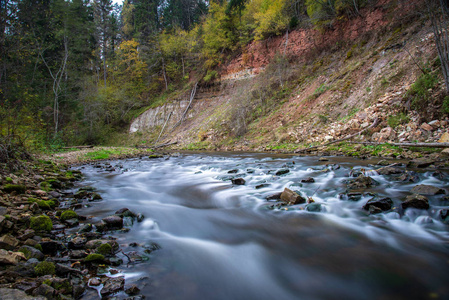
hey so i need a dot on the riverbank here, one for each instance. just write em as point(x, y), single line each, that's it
point(48, 250)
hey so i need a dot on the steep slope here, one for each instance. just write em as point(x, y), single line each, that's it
point(312, 86)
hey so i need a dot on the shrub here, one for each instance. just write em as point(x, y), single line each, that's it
point(419, 91)
point(44, 268)
point(41, 223)
point(446, 105)
point(398, 119)
point(68, 214)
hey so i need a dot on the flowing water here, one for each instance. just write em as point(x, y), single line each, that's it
point(222, 241)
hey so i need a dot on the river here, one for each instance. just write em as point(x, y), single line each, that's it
point(223, 241)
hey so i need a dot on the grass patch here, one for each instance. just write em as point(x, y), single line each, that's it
point(398, 119)
point(420, 91)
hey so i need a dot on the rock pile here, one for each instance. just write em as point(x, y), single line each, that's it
point(38, 259)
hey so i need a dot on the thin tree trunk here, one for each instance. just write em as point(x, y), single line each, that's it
point(163, 72)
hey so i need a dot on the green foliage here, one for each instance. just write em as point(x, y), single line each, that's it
point(45, 268)
point(8, 179)
point(398, 119)
point(210, 76)
point(445, 106)
point(68, 214)
point(419, 91)
point(94, 257)
point(104, 249)
point(41, 223)
point(18, 188)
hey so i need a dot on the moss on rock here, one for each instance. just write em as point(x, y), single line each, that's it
point(68, 214)
point(94, 257)
point(45, 268)
point(19, 188)
point(41, 223)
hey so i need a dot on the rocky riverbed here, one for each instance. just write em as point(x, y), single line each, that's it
point(48, 250)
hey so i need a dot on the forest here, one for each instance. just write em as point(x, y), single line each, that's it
point(77, 72)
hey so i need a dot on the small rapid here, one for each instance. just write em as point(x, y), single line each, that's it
point(218, 240)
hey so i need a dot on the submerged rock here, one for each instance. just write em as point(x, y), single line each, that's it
point(424, 189)
point(282, 172)
point(409, 176)
point(382, 204)
point(290, 197)
point(276, 196)
point(308, 180)
point(416, 201)
point(313, 207)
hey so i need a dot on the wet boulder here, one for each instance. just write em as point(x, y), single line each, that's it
point(444, 214)
point(308, 180)
point(31, 252)
point(416, 201)
point(382, 204)
point(430, 190)
point(420, 163)
point(409, 176)
point(45, 291)
point(361, 182)
point(94, 244)
point(113, 222)
point(238, 181)
point(389, 171)
point(272, 197)
point(282, 172)
point(125, 212)
point(50, 247)
point(291, 197)
point(77, 242)
point(112, 285)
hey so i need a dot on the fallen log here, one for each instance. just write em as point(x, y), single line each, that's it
point(78, 147)
point(407, 145)
point(375, 122)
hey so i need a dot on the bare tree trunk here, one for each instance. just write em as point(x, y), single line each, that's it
point(163, 72)
point(440, 29)
point(57, 82)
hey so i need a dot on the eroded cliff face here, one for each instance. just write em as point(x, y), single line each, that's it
point(339, 81)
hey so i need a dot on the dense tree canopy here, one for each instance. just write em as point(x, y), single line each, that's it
point(79, 68)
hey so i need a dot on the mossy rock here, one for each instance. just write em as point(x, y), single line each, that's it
point(41, 223)
point(45, 268)
point(46, 204)
point(8, 179)
point(94, 257)
point(19, 188)
point(68, 214)
point(104, 249)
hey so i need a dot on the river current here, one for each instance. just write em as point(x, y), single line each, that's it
point(217, 240)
